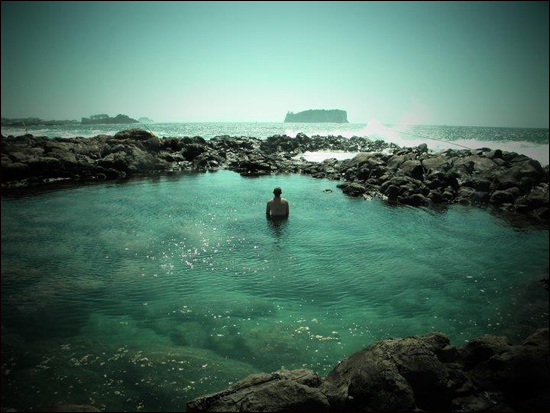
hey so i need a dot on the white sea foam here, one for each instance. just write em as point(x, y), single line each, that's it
point(321, 156)
point(508, 139)
point(396, 134)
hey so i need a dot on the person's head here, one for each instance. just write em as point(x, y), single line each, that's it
point(277, 191)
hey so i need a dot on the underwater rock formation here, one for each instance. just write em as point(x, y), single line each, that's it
point(415, 176)
point(420, 373)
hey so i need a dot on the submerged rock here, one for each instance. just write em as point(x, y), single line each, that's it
point(73, 408)
point(419, 373)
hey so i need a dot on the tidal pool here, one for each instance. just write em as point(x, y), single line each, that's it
point(145, 294)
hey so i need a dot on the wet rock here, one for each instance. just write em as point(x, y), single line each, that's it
point(353, 189)
point(395, 162)
point(280, 143)
point(422, 148)
point(538, 197)
point(73, 408)
point(520, 373)
point(478, 184)
point(541, 214)
point(465, 192)
point(368, 381)
point(413, 168)
point(436, 164)
point(191, 151)
point(392, 192)
point(525, 174)
point(420, 373)
point(507, 196)
point(282, 391)
point(414, 200)
point(482, 349)
point(496, 154)
point(134, 134)
point(475, 165)
point(118, 161)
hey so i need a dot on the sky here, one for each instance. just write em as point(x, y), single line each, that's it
point(482, 64)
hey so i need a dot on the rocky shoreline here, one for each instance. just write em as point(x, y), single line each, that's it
point(420, 373)
point(414, 176)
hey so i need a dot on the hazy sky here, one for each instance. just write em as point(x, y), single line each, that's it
point(434, 63)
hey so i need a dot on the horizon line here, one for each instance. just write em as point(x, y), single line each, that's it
point(271, 121)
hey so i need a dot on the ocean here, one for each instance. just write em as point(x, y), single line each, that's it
point(528, 141)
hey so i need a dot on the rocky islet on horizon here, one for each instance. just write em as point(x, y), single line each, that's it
point(101, 119)
point(410, 176)
point(317, 116)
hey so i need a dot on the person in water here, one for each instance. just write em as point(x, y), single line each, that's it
point(277, 207)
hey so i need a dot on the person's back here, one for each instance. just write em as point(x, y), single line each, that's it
point(277, 207)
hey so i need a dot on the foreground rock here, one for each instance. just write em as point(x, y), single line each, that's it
point(282, 391)
point(409, 176)
point(421, 373)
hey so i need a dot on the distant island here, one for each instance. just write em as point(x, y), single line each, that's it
point(103, 119)
point(35, 122)
point(145, 119)
point(318, 116)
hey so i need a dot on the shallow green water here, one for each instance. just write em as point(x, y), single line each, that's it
point(143, 295)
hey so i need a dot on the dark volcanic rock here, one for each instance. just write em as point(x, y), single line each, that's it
point(353, 189)
point(411, 176)
point(134, 134)
point(73, 408)
point(507, 196)
point(413, 168)
point(282, 391)
point(420, 373)
point(436, 164)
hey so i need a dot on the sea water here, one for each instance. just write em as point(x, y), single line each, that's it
point(143, 294)
point(528, 141)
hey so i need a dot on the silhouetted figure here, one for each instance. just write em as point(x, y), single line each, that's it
point(277, 207)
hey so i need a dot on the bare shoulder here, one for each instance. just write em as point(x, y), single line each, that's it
point(284, 201)
point(270, 202)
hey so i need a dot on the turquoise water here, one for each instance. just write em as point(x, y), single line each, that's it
point(528, 141)
point(144, 294)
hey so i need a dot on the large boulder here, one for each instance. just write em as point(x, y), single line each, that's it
point(413, 168)
point(392, 375)
point(483, 348)
point(419, 373)
point(134, 134)
point(474, 164)
point(191, 151)
point(395, 162)
point(436, 164)
point(119, 161)
point(507, 196)
point(519, 372)
point(278, 143)
point(414, 200)
point(282, 391)
point(525, 174)
point(352, 189)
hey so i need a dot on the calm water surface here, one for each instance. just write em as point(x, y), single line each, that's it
point(144, 294)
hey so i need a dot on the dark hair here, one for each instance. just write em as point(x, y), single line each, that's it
point(277, 191)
